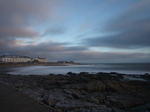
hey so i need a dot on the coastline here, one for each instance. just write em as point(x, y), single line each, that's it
point(82, 92)
point(2, 65)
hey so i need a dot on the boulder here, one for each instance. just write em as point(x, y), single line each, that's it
point(72, 74)
point(49, 100)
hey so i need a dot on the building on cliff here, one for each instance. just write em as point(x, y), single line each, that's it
point(41, 60)
point(18, 59)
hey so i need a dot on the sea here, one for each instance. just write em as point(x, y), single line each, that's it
point(126, 68)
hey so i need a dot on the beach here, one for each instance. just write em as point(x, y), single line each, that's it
point(13, 101)
point(34, 64)
point(83, 92)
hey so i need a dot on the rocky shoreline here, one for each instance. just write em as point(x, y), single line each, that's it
point(83, 92)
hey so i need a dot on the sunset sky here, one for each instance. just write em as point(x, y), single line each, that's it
point(86, 31)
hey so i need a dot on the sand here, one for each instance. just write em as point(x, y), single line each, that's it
point(14, 101)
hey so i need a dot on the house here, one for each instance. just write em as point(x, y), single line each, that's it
point(20, 59)
point(41, 60)
point(14, 59)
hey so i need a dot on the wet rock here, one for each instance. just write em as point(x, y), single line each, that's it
point(49, 100)
point(113, 73)
point(101, 98)
point(101, 108)
point(81, 92)
point(67, 91)
point(124, 101)
point(19, 85)
point(83, 73)
point(117, 110)
point(69, 97)
point(72, 74)
point(67, 105)
point(76, 95)
point(93, 100)
point(95, 87)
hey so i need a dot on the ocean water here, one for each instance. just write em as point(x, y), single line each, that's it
point(127, 68)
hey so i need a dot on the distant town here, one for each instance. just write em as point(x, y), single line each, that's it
point(25, 59)
point(20, 59)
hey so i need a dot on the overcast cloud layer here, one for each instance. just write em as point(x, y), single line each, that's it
point(79, 30)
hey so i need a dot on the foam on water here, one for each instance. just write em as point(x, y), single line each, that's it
point(46, 70)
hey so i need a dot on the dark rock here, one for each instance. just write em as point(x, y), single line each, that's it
point(72, 74)
point(49, 100)
point(76, 95)
point(83, 92)
point(69, 105)
point(93, 100)
point(83, 73)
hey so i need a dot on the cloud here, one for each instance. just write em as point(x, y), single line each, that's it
point(76, 48)
point(133, 17)
point(84, 26)
point(22, 22)
point(130, 29)
point(102, 57)
point(55, 51)
point(26, 8)
point(54, 31)
point(20, 17)
point(136, 38)
point(13, 47)
point(17, 32)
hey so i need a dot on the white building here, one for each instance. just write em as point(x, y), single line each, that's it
point(41, 60)
point(15, 59)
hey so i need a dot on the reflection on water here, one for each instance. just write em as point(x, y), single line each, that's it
point(45, 70)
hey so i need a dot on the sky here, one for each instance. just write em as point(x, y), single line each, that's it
point(85, 31)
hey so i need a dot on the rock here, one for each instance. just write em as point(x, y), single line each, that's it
point(20, 85)
point(48, 100)
point(53, 97)
point(80, 110)
point(124, 101)
point(72, 74)
point(69, 73)
point(113, 72)
point(146, 74)
point(117, 110)
point(57, 110)
point(69, 97)
point(101, 108)
point(68, 105)
point(82, 93)
point(93, 100)
point(76, 95)
point(67, 91)
point(95, 87)
point(83, 73)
